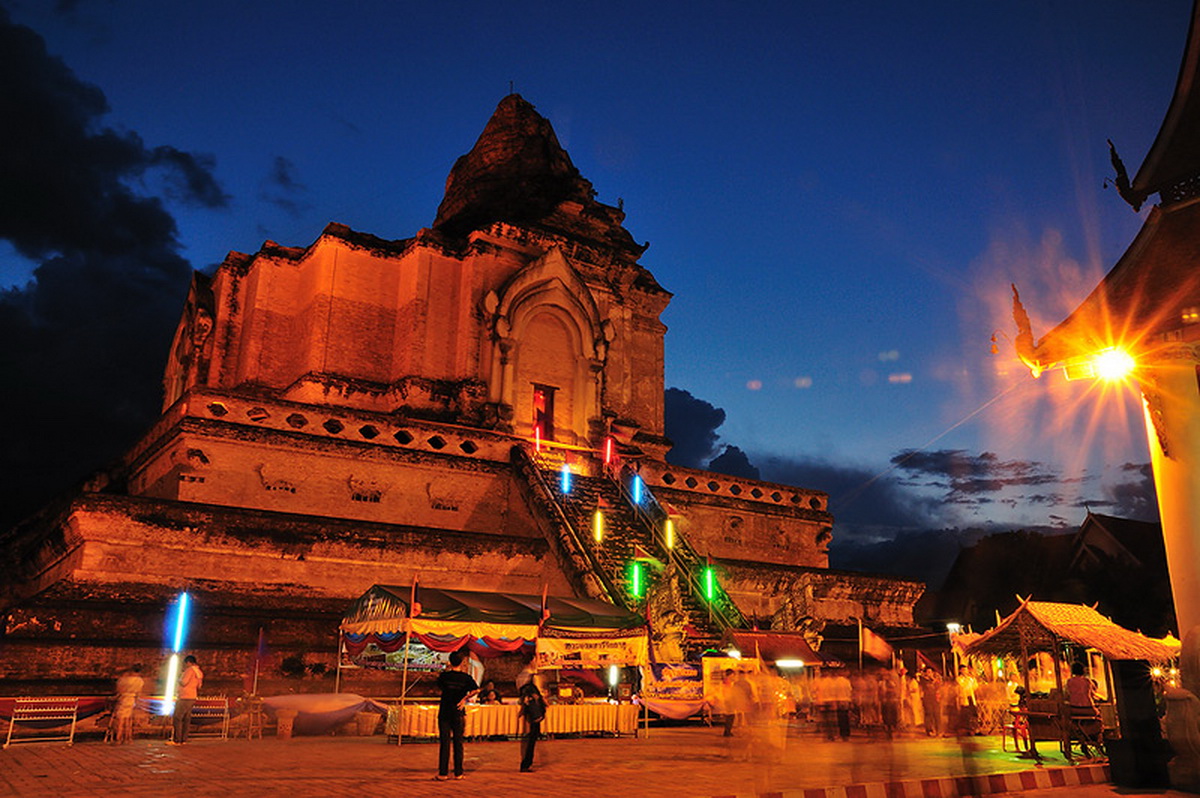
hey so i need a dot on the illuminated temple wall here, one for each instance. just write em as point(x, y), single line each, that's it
point(344, 414)
point(357, 322)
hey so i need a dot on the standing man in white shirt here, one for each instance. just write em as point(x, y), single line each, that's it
point(189, 690)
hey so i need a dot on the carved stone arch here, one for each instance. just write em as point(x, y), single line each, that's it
point(546, 329)
point(551, 277)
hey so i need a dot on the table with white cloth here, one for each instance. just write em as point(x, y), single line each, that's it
point(486, 720)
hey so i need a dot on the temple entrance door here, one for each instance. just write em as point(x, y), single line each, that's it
point(545, 384)
point(543, 411)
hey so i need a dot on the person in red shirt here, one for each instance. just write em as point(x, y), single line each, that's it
point(1081, 700)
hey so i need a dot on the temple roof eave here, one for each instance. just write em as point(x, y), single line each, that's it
point(1174, 156)
point(1140, 298)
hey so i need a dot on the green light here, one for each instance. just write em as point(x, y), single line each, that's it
point(710, 583)
point(636, 585)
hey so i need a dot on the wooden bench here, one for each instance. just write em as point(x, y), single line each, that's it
point(47, 713)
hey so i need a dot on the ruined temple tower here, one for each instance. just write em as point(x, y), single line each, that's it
point(365, 410)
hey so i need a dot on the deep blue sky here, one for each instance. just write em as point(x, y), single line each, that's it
point(837, 193)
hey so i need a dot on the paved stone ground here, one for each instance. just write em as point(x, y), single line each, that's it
point(678, 762)
point(1101, 791)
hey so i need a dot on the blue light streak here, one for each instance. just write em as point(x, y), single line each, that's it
point(180, 623)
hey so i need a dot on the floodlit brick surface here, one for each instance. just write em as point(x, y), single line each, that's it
point(680, 763)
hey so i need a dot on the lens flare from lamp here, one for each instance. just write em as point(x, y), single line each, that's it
point(789, 664)
point(710, 583)
point(1114, 364)
point(614, 676)
point(598, 525)
point(669, 534)
point(566, 478)
point(608, 451)
point(635, 580)
point(637, 489)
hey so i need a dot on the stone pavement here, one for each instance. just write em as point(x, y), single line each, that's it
point(676, 762)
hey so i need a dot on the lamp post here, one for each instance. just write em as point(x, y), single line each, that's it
point(952, 629)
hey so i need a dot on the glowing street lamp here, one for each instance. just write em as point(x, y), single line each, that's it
point(1114, 364)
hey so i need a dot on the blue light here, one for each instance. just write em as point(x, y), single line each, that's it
point(180, 622)
point(566, 478)
point(637, 489)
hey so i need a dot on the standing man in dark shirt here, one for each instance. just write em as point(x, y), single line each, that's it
point(456, 687)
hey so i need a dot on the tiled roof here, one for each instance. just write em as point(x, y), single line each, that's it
point(1040, 625)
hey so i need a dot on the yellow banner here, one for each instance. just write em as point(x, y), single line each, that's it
point(556, 652)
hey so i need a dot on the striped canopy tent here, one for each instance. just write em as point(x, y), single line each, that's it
point(489, 623)
point(1043, 625)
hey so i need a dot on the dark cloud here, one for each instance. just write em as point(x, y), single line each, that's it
point(965, 477)
point(925, 555)
point(1134, 496)
point(191, 177)
point(734, 462)
point(282, 189)
point(865, 505)
point(82, 346)
point(691, 424)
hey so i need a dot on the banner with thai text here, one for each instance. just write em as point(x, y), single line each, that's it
point(590, 652)
point(673, 681)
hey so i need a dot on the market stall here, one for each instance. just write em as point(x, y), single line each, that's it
point(387, 624)
point(1063, 633)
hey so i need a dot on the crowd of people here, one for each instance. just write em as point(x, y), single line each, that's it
point(883, 700)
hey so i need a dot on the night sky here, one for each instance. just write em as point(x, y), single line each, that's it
point(838, 194)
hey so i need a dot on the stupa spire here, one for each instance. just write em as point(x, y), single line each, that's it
point(516, 172)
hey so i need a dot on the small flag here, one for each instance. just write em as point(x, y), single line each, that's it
point(414, 601)
point(875, 646)
point(640, 553)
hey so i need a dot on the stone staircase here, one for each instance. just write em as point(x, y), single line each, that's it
point(630, 530)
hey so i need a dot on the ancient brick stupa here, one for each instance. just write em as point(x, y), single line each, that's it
point(364, 410)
